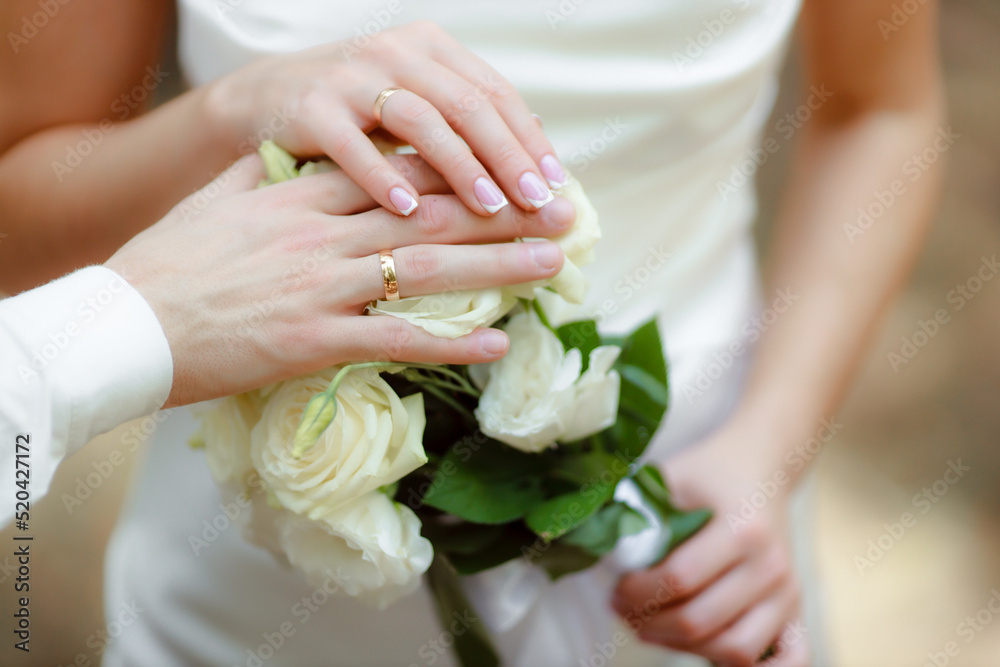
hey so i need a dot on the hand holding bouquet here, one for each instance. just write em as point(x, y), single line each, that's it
point(378, 472)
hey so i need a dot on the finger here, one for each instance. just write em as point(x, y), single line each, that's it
point(793, 648)
point(691, 568)
point(750, 638)
point(446, 220)
point(391, 339)
point(525, 126)
point(351, 148)
point(414, 119)
point(720, 605)
point(336, 193)
point(436, 269)
point(468, 110)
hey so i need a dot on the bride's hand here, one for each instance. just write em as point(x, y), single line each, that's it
point(256, 286)
point(320, 101)
point(732, 589)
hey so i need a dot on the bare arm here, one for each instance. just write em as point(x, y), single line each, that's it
point(736, 590)
point(77, 154)
point(82, 173)
point(864, 149)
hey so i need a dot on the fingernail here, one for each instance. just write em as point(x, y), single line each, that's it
point(489, 195)
point(553, 171)
point(493, 342)
point(403, 201)
point(538, 119)
point(534, 190)
point(545, 255)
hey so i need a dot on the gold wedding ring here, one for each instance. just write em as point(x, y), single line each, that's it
point(389, 275)
point(379, 101)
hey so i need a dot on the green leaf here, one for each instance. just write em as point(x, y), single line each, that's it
point(459, 538)
point(581, 335)
point(644, 395)
point(643, 348)
point(682, 524)
point(491, 483)
point(557, 516)
point(473, 646)
point(278, 163)
point(600, 533)
point(506, 548)
point(562, 559)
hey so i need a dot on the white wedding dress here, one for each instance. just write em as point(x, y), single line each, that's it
point(654, 105)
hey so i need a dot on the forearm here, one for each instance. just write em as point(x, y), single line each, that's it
point(843, 268)
point(72, 195)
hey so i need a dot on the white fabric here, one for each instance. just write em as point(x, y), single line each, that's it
point(652, 128)
point(78, 357)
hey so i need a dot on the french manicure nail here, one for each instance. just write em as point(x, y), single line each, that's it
point(545, 255)
point(403, 201)
point(534, 190)
point(493, 342)
point(553, 171)
point(538, 119)
point(489, 195)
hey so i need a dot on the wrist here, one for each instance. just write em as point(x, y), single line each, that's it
point(222, 113)
point(775, 447)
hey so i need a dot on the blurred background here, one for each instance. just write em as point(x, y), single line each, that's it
point(890, 595)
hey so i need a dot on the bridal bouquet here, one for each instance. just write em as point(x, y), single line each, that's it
point(374, 474)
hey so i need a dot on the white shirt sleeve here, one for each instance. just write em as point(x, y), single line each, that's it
point(78, 357)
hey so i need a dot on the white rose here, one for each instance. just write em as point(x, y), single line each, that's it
point(450, 314)
point(225, 431)
point(375, 439)
point(371, 547)
point(535, 395)
point(577, 244)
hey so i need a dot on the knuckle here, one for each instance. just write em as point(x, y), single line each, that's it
point(426, 28)
point(378, 174)
point(421, 263)
point(344, 143)
point(691, 626)
point(397, 339)
point(509, 155)
point(500, 90)
point(419, 113)
point(433, 216)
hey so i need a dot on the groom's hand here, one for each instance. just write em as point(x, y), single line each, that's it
point(255, 286)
